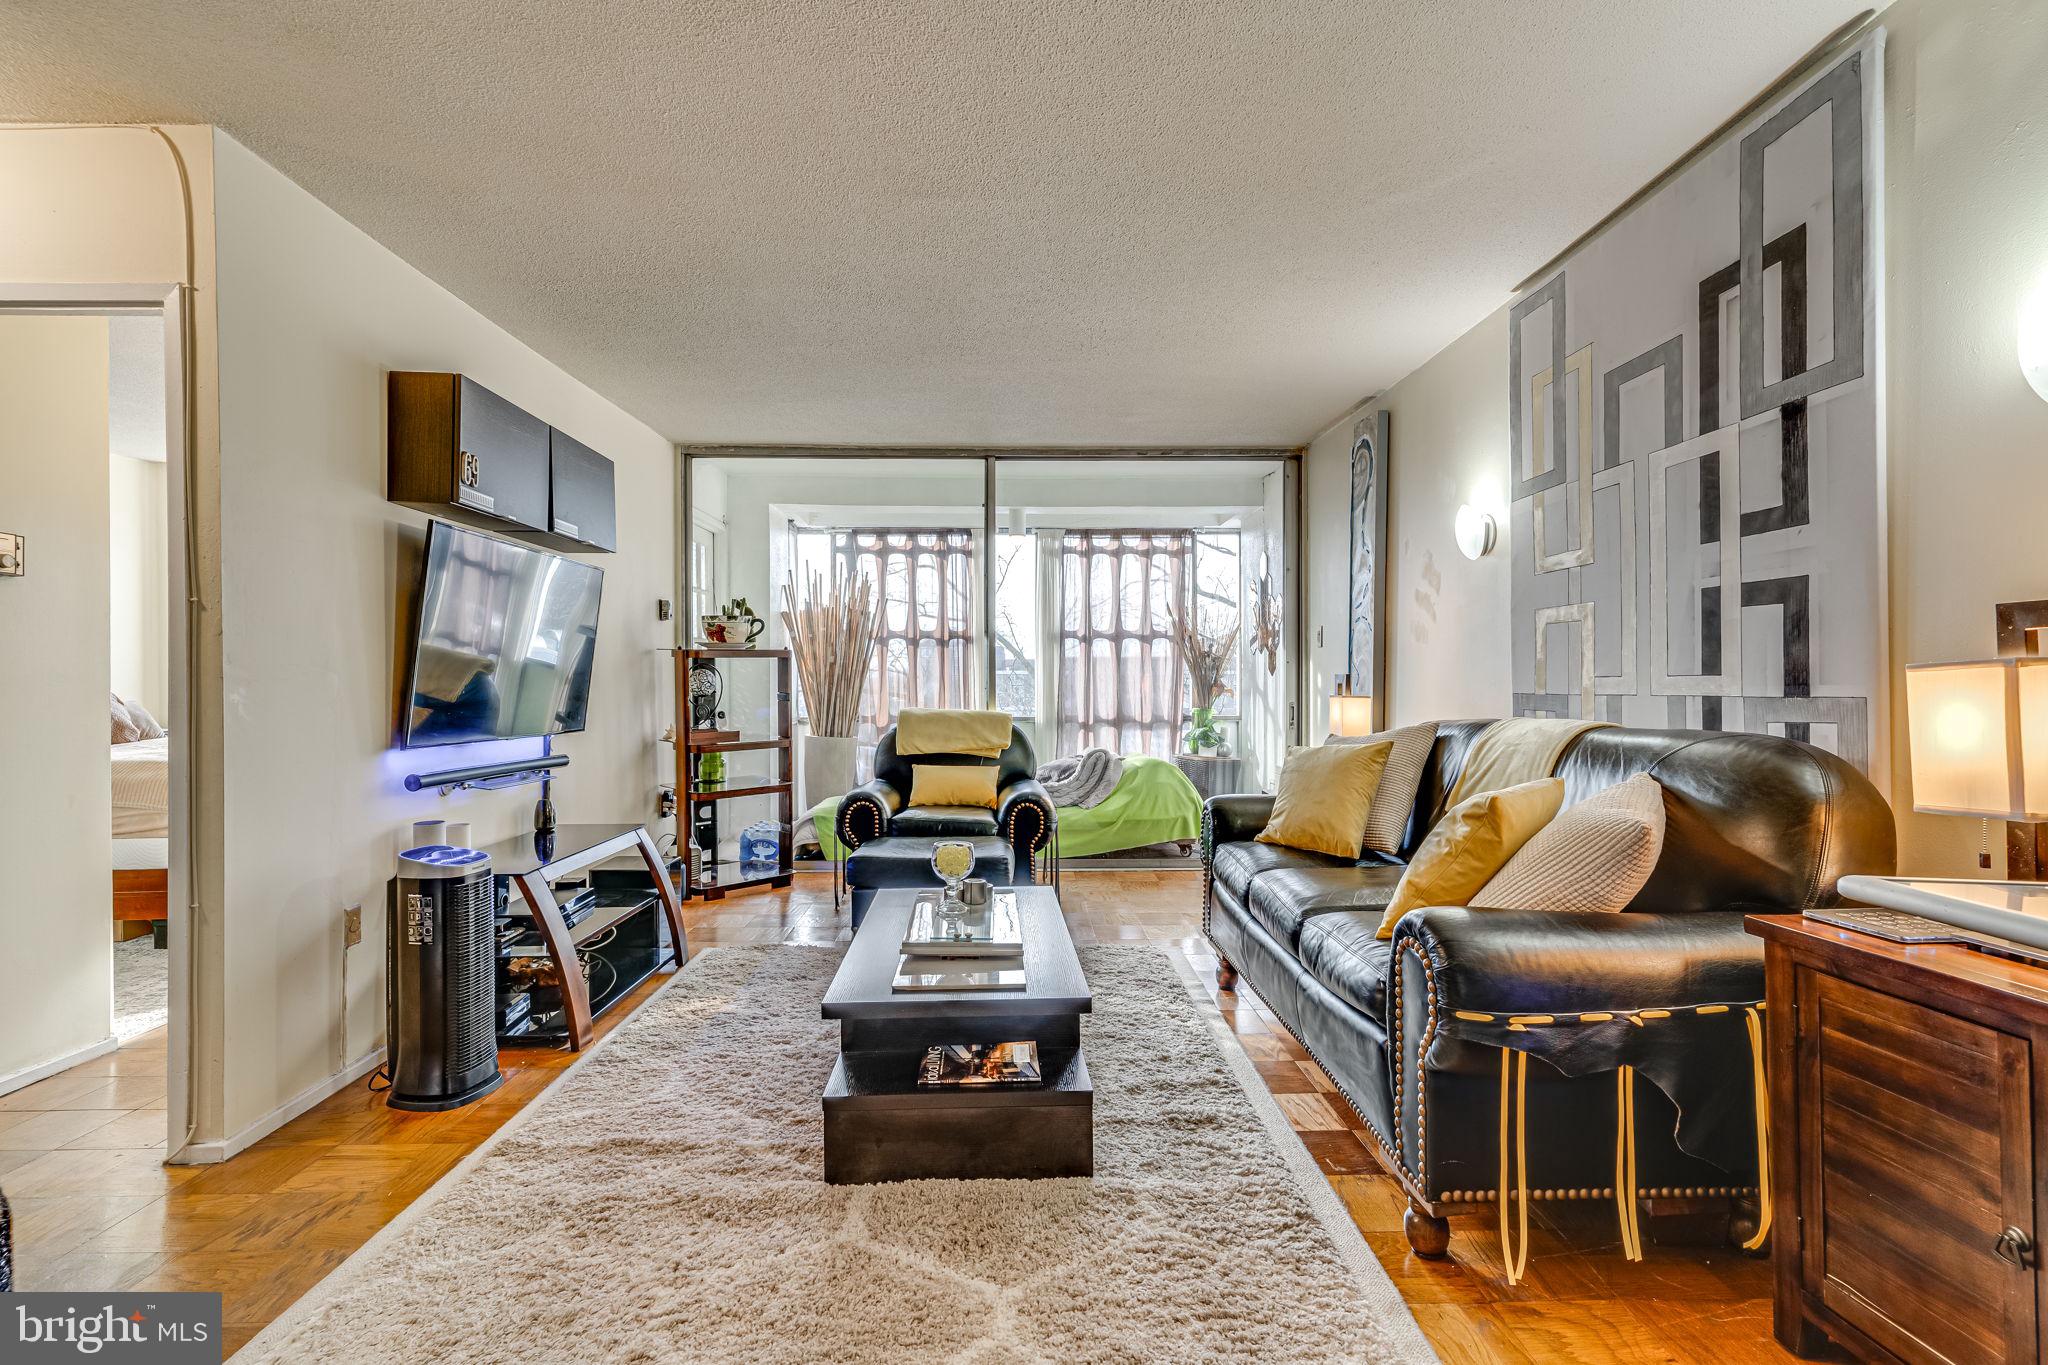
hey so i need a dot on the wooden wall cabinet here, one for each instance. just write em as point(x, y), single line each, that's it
point(1908, 1090)
point(463, 453)
point(584, 515)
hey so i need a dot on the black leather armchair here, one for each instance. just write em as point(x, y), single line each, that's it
point(1023, 816)
point(1417, 1032)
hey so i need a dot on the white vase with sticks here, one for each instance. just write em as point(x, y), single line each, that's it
point(832, 633)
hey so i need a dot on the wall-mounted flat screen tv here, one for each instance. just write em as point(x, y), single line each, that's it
point(507, 635)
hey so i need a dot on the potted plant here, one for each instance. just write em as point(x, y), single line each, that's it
point(733, 625)
point(1205, 653)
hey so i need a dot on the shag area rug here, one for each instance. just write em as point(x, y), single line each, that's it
point(664, 1201)
point(142, 974)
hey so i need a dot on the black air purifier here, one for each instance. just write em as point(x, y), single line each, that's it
point(440, 960)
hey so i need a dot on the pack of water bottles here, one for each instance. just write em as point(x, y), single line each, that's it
point(761, 843)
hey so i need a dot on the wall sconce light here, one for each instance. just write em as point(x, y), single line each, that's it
point(2034, 337)
point(1476, 532)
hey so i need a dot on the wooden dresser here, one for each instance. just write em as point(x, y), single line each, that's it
point(1908, 1089)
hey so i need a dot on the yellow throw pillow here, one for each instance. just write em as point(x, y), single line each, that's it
point(1473, 841)
point(1325, 795)
point(952, 784)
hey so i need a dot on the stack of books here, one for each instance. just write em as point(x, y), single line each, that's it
point(983, 950)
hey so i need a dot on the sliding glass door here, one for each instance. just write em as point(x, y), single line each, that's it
point(783, 531)
point(1070, 591)
point(1139, 607)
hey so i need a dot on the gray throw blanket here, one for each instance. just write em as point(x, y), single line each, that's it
point(1084, 780)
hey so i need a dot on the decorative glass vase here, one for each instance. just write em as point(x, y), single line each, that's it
point(953, 861)
point(1204, 735)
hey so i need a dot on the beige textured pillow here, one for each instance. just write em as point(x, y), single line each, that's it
point(145, 724)
point(1394, 802)
point(1473, 841)
point(1595, 856)
point(1324, 798)
point(122, 729)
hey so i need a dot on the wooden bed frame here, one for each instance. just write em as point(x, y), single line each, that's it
point(142, 895)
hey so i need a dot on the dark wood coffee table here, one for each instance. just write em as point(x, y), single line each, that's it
point(879, 1125)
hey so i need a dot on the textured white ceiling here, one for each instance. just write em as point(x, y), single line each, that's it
point(135, 386)
point(942, 221)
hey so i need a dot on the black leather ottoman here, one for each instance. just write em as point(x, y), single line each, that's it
point(903, 861)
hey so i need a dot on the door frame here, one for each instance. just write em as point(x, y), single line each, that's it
point(188, 983)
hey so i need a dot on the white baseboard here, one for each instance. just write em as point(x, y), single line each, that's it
point(27, 1076)
point(207, 1153)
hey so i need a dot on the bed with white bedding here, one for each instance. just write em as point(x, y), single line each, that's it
point(142, 827)
point(142, 789)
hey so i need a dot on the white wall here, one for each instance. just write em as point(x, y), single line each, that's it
point(139, 586)
point(138, 598)
point(56, 841)
point(313, 314)
point(1966, 163)
point(1264, 696)
point(109, 206)
point(1447, 616)
point(1966, 156)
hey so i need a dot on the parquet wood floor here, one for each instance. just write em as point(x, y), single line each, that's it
point(81, 1153)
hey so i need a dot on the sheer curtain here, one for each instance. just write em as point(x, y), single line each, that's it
point(926, 653)
point(1120, 679)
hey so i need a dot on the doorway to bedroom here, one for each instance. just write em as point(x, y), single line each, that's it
point(89, 471)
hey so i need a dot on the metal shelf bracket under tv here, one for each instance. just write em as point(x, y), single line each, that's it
point(533, 864)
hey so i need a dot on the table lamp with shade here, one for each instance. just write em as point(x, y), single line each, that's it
point(1978, 736)
point(1350, 712)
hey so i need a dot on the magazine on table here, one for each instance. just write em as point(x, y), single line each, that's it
point(978, 1064)
point(993, 930)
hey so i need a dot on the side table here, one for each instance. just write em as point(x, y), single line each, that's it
point(1213, 776)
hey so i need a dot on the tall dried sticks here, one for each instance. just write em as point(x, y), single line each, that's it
point(832, 633)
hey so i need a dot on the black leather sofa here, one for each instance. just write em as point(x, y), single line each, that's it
point(1413, 1031)
point(1023, 816)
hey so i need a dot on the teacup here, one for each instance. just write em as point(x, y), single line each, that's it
point(732, 631)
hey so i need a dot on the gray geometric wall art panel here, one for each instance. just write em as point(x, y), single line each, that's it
point(1792, 597)
point(1838, 97)
point(1570, 666)
point(1717, 563)
point(1786, 254)
point(1574, 405)
point(1531, 475)
point(1667, 358)
point(1610, 584)
point(1553, 704)
point(1695, 635)
point(1848, 715)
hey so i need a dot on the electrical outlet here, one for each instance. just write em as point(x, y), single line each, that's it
point(665, 803)
point(663, 609)
point(351, 926)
